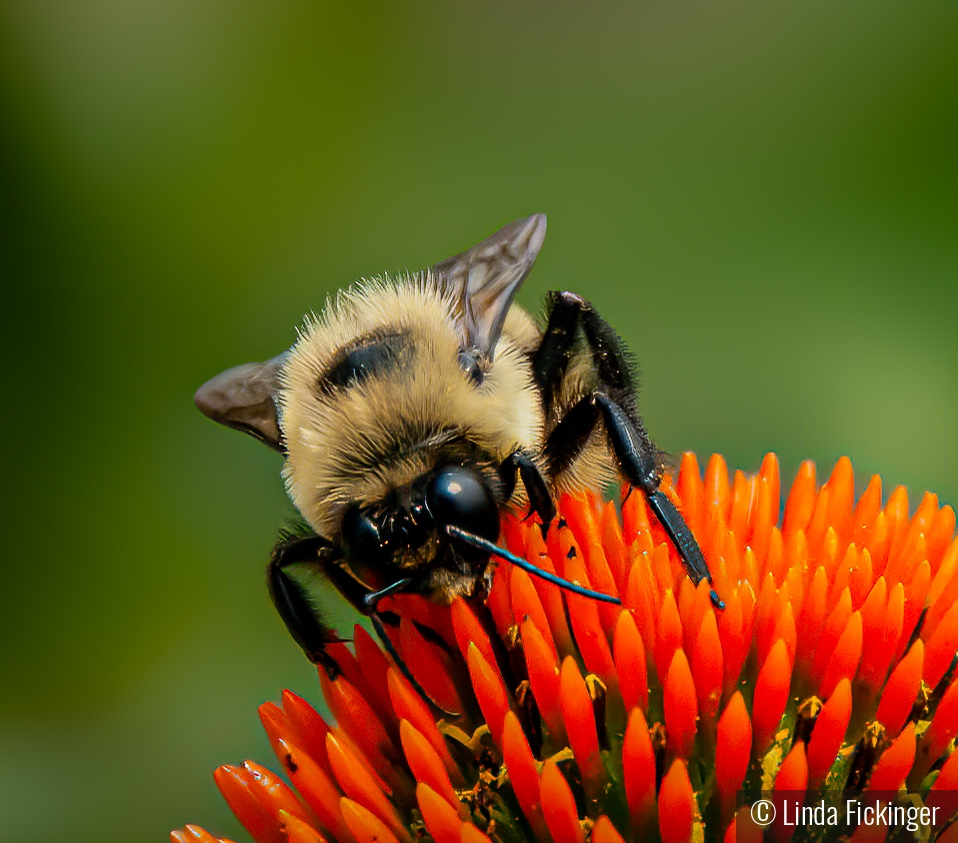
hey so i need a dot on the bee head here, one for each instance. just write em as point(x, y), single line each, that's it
point(411, 523)
point(388, 375)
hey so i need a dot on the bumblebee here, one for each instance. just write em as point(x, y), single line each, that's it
point(413, 410)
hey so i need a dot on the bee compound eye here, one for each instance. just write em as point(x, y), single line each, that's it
point(458, 496)
point(362, 542)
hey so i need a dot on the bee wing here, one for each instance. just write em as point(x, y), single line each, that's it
point(486, 277)
point(244, 398)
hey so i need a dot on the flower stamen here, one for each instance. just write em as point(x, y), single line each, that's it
point(561, 719)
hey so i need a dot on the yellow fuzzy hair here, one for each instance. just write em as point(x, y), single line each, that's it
point(334, 437)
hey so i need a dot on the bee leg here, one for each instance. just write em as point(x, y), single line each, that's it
point(613, 365)
point(615, 404)
point(540, 499)
point(551, 358)
point(366, 602)
point(291, 596)
point(637, 461)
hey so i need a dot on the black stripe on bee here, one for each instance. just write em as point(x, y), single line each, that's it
point(371, 356)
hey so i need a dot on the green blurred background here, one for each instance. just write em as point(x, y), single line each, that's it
point(762, 196)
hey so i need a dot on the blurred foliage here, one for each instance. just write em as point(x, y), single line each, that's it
point(762, 197)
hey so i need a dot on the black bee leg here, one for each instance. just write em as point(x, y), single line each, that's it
point(291, 595)
point(637, 461)
point(683, 540)
point(540, 500)
point(551, 358)
point(615, 404)
point(611, 360)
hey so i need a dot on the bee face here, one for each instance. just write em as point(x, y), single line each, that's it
point(402, 534)
point(413, 411)
point(381, 390)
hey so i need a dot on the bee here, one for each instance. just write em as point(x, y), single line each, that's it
point(412, 411)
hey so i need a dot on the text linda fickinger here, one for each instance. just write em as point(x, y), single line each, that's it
point(859, 812)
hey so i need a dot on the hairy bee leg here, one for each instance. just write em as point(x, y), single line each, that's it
point(616, 406)
point(610, 357)
point(612, 362)
point(540, 499)
point(292, 598)
point(637, 461)
point(551, 358)
point(292, 601)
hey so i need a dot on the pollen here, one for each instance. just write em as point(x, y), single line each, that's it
point(554, 717)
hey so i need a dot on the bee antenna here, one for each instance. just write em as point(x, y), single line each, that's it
point(370, 602)
point(436, 709)
point(527, 566)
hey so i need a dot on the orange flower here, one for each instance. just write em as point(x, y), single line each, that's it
point(833, 666)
